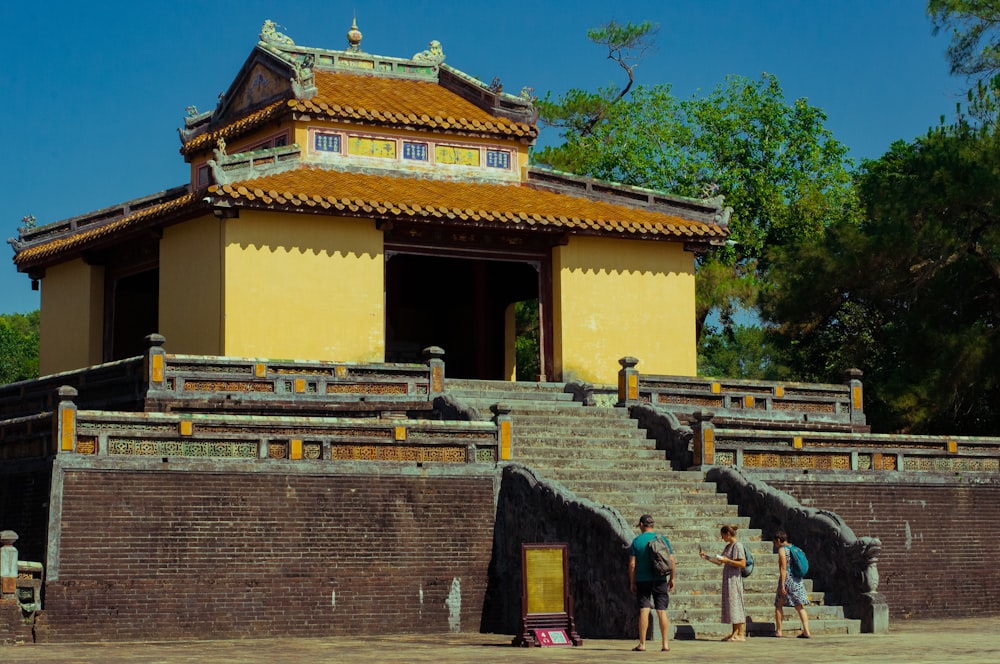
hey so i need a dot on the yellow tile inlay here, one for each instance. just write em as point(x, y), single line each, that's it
point(296, 451)
point(157, 368)
point(400, 433)
point(68, 429)
point(186, 427)
point(797, 442)
point(259, 370)
point(716, 388)
point(300, 385)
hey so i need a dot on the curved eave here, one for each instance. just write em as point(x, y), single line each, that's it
point(522, 209)
point(63, 248)
point(316, 109)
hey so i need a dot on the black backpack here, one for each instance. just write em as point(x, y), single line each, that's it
point(659, 551)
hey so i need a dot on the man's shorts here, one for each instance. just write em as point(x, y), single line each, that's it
point(659, 590)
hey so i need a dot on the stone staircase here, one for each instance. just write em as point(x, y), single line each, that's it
point(602, 455)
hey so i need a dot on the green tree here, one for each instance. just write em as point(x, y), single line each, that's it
point(18, 347)
point(912, 296)
point(776, 164)
point(974, 27)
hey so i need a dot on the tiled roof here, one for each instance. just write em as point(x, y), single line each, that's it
point(67, 243)
point(404, 102)
point(375, 100)
point(514, 205)
point(245, 124)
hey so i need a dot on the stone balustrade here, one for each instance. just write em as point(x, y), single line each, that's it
point(766, 402)
point(756, 448)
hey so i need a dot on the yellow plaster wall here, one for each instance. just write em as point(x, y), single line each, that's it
point(191, 296)
point(71, 326)
point(613, 298)
point(303, 287)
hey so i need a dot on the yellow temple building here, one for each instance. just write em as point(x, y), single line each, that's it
point(353, 207)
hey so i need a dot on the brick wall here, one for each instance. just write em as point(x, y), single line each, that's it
point(939, 547)
point(230, 553)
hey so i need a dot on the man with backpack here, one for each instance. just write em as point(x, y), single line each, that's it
point(651, 575)
point(792, 567)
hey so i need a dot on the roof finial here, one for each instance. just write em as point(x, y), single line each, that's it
point(354, 36)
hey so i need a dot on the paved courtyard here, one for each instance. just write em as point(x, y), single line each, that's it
point(962, 641)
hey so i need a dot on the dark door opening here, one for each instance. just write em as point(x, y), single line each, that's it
point(131, 313)
point(463, 305)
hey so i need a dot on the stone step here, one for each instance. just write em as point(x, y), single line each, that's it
point(620, 449)
point(660, 480)
point(650, 476)
point(512, 397)
point(519, 386)
point(566, 413)
point(613, 461)
point(685, 630)
point(759, 607)
point(582, 431)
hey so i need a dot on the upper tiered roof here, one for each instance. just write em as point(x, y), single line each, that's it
point(281, 79)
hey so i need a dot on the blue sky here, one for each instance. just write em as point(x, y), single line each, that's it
point(93, 93)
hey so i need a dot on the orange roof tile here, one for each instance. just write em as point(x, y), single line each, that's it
point(377, 100)
point(404, 102)
point(515, 205)
point(78, 240)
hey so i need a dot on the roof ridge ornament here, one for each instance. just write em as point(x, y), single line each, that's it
point(270, 35)
point(433, 55)
point(354, 37)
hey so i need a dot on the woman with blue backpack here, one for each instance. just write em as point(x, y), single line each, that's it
point(792, 567)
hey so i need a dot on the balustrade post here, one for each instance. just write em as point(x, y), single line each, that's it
point(703, 438)
point(8, 565)
point(66, 420)
point(434, 355)
point(501, 415)
point(857, 401)
point(155, 363)
point(628, 382)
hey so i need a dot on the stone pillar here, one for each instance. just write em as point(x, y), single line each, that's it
point(8, 565)
point(703, 438)
point(874, 614)
point(434, 357)
point(628, 382)
point(156, 362)
point(852, 377)
point(66, 420)
point(505, 426)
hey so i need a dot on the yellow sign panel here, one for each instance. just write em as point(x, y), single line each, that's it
point(544, 580)
point(449, 154)
point(371, 147)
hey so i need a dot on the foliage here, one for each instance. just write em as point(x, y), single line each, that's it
point(974, 26)
point(739, 351)
point(776, 164)
point(527, 346)
point(912, 296)
point(18, 347)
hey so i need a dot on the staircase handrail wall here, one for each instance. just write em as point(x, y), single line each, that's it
point(670, 435)
point(841, 564)
point(533, 509)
